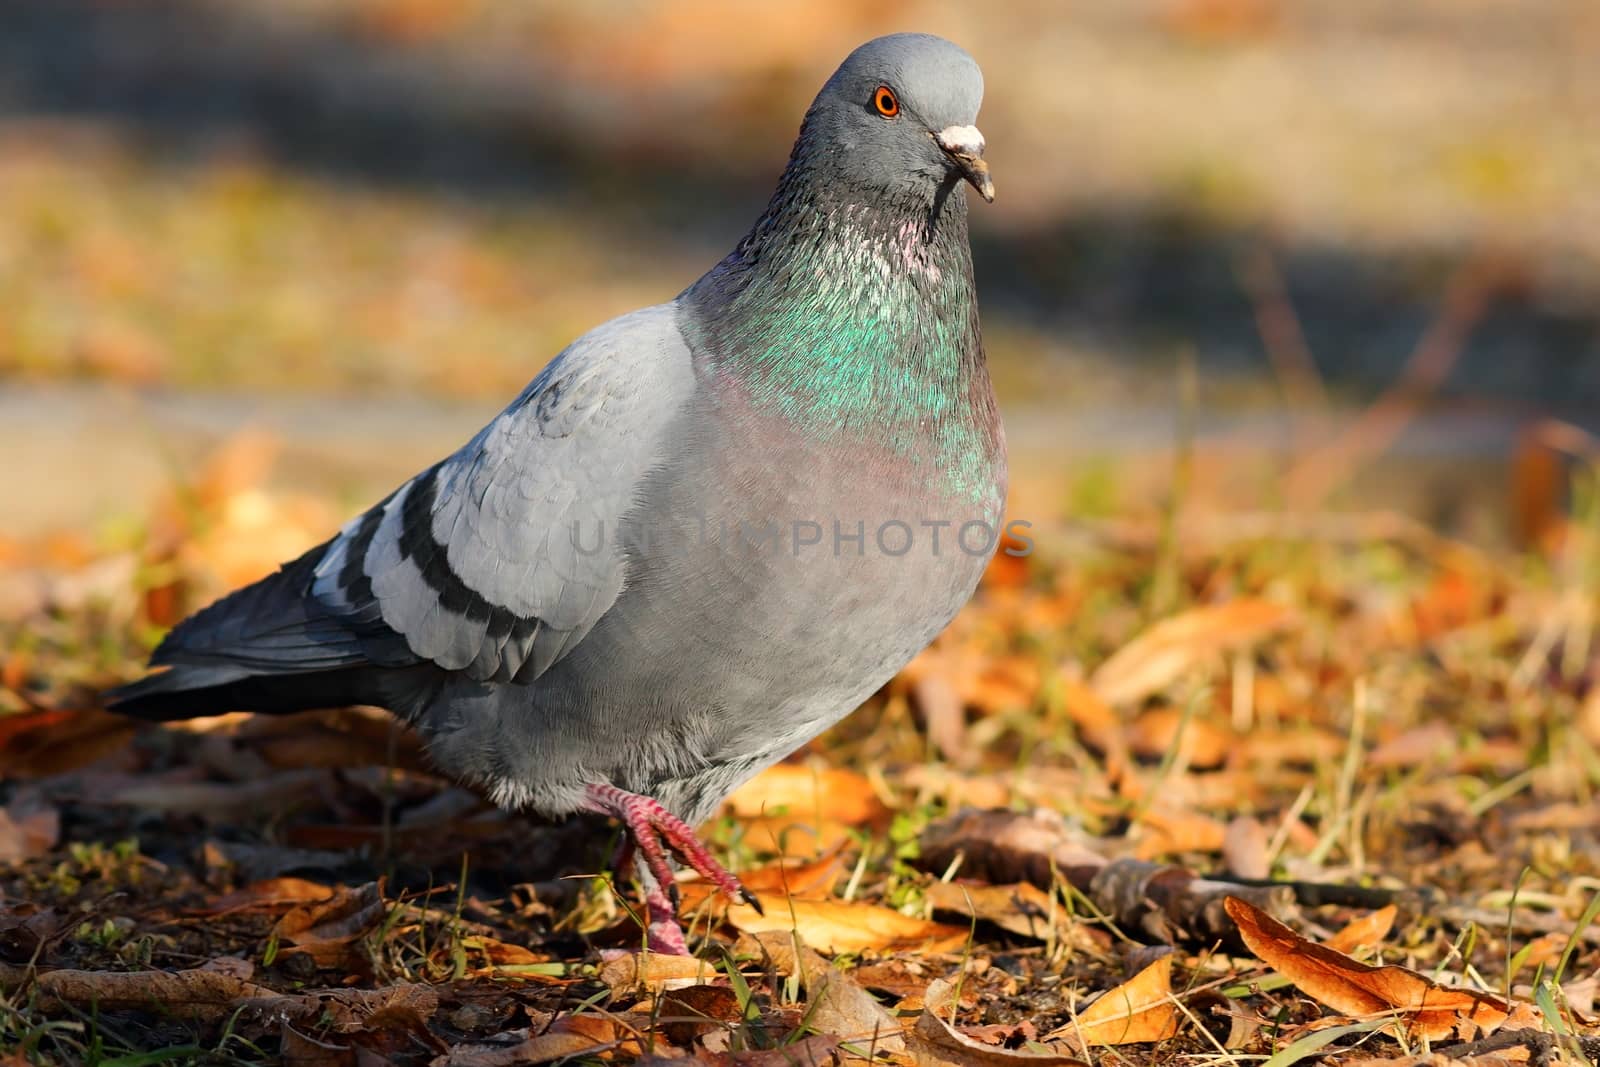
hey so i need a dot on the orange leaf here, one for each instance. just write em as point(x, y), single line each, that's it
point(1369, 930)
point(845, 926)
point(1136, 1012)
point(833, 793)
point(772, 883)
point(794, 810)
point(1163, 653)
point(1425, 1009)
point(270, 893)
point(1201, 744)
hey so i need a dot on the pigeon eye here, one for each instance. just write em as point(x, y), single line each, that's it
point(885, 101)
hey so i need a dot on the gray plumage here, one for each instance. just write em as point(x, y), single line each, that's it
point(614, 582)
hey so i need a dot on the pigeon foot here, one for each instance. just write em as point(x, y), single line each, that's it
point(663, 935)
point(655, 831)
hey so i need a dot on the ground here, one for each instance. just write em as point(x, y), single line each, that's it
point(1352, 723)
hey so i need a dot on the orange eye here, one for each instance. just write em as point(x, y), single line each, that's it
point(885, 101)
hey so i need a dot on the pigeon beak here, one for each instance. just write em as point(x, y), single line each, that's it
point(964, 145)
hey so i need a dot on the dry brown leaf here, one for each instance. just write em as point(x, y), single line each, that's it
point(1139, 1011)
point(1163, 731)
point(1010, 682)
point(944, 717)
point(654, 971)
point(1161, 654)
point(1368, 931)
point(268, 894)
point(847, 926)
point(1424, 1009)
point(1020, 908)
point(326, 929)
point(694, 1011)
point(937, 1043)
point(835, 1004)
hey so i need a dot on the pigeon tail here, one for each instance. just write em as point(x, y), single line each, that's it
point(267, 647)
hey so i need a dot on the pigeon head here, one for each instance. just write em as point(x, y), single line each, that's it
point(899, 116)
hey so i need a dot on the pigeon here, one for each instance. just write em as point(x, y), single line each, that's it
point(704, 533)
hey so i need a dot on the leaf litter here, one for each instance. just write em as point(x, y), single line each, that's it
point(1334, 799)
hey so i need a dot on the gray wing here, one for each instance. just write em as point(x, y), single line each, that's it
point(498, 560)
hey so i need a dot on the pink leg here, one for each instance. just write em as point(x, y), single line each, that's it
point(663, 934)
point(653, 830)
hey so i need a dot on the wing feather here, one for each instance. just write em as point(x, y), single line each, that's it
point(497, 561)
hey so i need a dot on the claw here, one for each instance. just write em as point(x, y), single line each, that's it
point(752, 900)
point(654, 830)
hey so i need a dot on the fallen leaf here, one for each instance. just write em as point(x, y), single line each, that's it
point(1367, 931)
point(848, 926)
point(944, 717)
point(831, 793)
point(1139, 1011)
point(1020, 908)
point(654, 971)
point(1098, 726)
point(693, 1011)
point(503, 953)
point(1165, 732)
point(1431, 742)
point(899, 976)
point(799, 811)
point(1424, 1009)
point(215, 994)
point(232, 966)
point(775, 881)
point(936, 1043)
point(835, 1004)
point(326, 929)
point(269, 894)
point(1173, 646)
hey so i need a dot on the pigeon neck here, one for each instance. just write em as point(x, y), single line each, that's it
point(852, 314)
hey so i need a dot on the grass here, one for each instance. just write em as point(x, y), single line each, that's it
point(1394, 735)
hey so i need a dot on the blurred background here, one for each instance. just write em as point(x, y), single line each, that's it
point(1299, 255)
